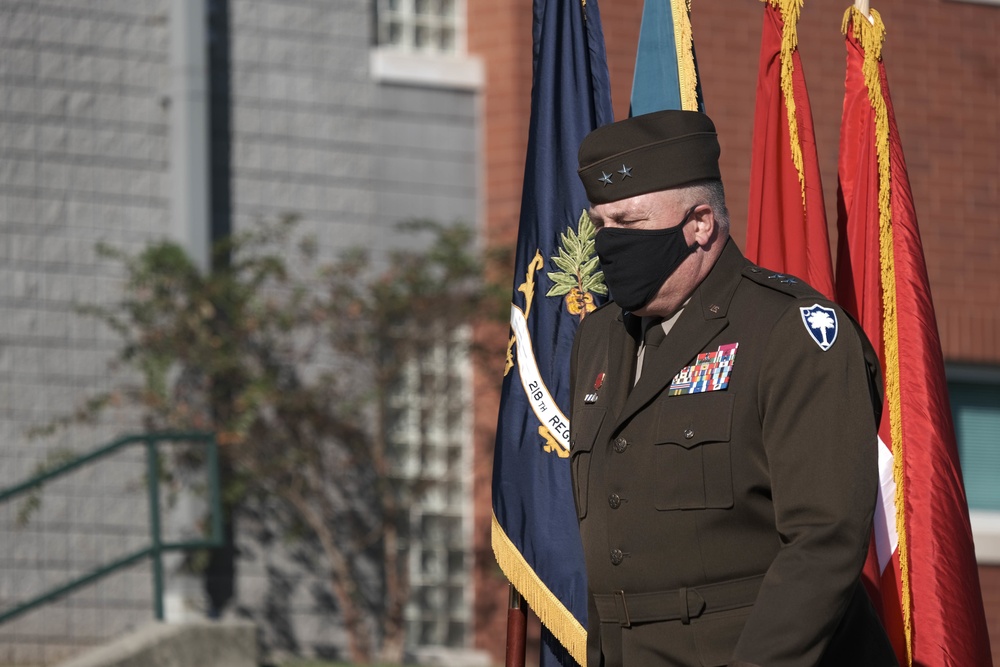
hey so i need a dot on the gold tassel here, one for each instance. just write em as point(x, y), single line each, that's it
point(790, 11)
point(548, 608)
point(871, 35)
point(687, 76)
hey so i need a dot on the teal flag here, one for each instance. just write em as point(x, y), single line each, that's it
point(666, 75)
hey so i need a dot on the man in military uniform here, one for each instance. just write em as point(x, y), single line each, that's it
point(723, 429)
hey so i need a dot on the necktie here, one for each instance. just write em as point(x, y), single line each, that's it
point(652, 338)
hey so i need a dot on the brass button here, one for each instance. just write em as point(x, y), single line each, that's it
point(615, 501)
point(621, 444)
point(688, 433)
point(617, 556)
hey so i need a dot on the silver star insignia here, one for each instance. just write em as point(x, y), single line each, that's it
point(626, 172)
point(606, 179)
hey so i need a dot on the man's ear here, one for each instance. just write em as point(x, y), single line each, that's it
point(704, 224)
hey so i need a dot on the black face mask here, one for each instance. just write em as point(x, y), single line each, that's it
point(636, 262)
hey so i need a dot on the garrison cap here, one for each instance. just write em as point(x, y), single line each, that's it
point(646, 153)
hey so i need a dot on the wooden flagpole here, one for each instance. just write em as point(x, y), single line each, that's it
point(517, 626)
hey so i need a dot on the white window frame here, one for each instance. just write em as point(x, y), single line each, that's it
point(424, 457)
point(406, 64)
point(405, 14)
point(462, 73)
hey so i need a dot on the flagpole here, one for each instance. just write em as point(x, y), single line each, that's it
point(517, 626)
point(862, 6)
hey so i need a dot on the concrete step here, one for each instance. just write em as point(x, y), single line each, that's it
point(191, 644)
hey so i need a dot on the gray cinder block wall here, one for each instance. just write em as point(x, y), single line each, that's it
point(84, 145)
point(85, 139)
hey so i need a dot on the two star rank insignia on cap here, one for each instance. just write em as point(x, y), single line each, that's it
point(608, 179)
point(709, 372)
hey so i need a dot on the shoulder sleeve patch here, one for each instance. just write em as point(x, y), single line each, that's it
point(821, 323)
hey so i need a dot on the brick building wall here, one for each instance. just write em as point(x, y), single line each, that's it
point(500, 32)
point(943, 64)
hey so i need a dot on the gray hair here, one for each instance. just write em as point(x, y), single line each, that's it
point(711, 192)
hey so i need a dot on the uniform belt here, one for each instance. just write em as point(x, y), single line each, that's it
point(681, 604)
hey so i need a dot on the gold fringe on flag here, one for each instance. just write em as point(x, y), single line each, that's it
point(870, 33)
point(549, 608)
point(790, 11)
point(687, 75)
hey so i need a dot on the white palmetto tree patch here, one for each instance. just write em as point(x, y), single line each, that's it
point(821, 323)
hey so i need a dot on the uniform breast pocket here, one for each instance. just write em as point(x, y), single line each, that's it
point(583, 430)
point(692, 452)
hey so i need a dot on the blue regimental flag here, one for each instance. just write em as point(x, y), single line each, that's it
point(557, 281)
point(666, 73)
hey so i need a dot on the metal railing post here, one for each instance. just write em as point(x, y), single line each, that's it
point(153, 471)
point(214, 492)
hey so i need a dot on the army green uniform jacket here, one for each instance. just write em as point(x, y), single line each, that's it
point(728, 526)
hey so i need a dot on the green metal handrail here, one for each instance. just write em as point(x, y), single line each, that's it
point(158, 546)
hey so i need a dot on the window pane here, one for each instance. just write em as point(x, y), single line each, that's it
point(429, 439)
point(395, 33)
point(976, 411)
point(422, 37)
point(421, 25)
point(456, 634)
point(447, 41)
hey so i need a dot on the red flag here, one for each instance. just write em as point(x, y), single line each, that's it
point(786, 223)
point(924, 570)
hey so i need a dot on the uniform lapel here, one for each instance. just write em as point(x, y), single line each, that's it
point(703, 319)
point(621, 357)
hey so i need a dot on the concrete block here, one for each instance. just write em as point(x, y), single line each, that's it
point(285, 16)
point(87, 622)
point(54, 174)
point(17, 135)
point(19, 23)
point(18, 62)
point(109, 33)
point(107, 71)
point(18, 172)
point(21, 655)
point(21, 209)
point(19, 100)
point(85, 548)
point(54, 546)
point(135, 37)
point(142, 108)
point(54, 652)
point(443, 656)
point(6, 359)
point(25, 247)
point(57, 288)
point(221, 644)
point(119, 586)
point(52, 212)
point(82, 104)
